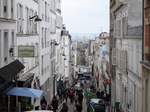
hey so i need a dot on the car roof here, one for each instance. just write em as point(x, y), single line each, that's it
point(95, 100)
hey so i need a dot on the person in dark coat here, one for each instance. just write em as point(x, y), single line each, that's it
point(64, 108)
point(80, 97)
point(43, 103)
point(98, 94)
point(55, 104)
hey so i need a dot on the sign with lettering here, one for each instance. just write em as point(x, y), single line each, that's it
point(26, 51)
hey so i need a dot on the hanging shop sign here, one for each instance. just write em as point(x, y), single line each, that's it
point(26, 51)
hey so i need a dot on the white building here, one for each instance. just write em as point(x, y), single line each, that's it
point(7, 31)
point(48, 40)
point(27, 36)
point(42, 35)
point(29, 31)
point(27, 42)
point(66, 60)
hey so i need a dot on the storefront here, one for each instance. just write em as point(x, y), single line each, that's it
point(8, 76)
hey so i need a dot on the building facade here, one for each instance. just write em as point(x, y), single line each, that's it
point(7, 30)
point(27, 42)
point(100, 54)
point(66, 56)
point(7, 42)
point(126, 44)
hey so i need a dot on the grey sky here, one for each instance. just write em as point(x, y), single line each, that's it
point(86, 16)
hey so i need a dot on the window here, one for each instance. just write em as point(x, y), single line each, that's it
point(11, 49)
point(53, 25)
point(27, 20)
point(118, 28)
point(6, 47)
point(12, 9)
point(124, 26)
point(20, 18)
point(31, 21)
point(45, 11)
point(114, 57)
point(53, 5)
point(13, 39)
point(35, 24)
point(5, 8)
point(42, 38)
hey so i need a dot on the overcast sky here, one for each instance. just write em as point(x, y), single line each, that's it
point(86, 16)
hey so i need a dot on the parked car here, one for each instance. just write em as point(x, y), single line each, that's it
point(96, 105)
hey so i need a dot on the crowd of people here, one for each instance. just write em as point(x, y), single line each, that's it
point(44, 106)
point(76, 98)
point(70, 95)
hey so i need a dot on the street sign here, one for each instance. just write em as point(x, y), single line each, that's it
point(26, 51)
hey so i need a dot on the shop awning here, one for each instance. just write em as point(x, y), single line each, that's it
point(9, 71)
point(25, 92)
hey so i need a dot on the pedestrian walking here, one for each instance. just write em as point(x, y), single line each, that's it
point(98, 94)
point(78, 107)
point(71, 95)
point(55, 104)
point(65, 95)
point(64, 108)
point(43, 103)
point(80, 97)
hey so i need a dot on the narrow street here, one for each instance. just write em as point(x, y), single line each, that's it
point(95, 51)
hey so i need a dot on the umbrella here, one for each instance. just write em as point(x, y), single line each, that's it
point(26, 92)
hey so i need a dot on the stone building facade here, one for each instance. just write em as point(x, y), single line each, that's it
point(126, 44)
